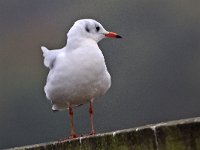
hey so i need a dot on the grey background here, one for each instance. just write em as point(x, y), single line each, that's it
point(155, 68)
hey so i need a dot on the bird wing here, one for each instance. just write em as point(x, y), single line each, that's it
point(49, 57)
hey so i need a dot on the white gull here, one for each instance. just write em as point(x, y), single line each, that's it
point(78, 73)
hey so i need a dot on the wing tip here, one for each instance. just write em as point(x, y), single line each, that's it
point(44, 49)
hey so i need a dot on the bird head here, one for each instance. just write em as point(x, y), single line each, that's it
point(91, 29)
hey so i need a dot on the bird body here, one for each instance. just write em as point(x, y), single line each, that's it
point(77, 75)
point(77, 72)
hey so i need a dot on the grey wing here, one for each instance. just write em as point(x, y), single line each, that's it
point(49, 57)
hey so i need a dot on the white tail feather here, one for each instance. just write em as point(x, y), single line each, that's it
point(46, 56)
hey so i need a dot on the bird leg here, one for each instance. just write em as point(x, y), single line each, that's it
point(72, 129)
point(91, 117)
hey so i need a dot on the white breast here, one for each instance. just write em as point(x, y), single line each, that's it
point(78, 76)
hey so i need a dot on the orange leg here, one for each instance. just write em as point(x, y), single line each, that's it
point(91, 117)
point(72, 129)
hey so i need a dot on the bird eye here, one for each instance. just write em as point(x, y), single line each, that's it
point(97, 28)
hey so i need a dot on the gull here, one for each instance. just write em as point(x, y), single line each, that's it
point(77, 72)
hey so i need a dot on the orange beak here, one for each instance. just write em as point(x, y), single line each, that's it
point(112, 35)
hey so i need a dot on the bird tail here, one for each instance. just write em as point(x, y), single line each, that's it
point(44, 50)
point(46, 56)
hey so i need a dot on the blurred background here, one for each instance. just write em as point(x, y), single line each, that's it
point(155, 68)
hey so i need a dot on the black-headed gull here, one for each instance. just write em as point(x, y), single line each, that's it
point(78, 73)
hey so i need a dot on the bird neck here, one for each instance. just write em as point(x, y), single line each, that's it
point(76, 42)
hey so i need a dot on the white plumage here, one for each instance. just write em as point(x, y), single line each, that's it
point(78, 71)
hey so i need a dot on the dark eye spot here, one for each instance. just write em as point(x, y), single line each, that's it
point(97, 28)
point(87, 29)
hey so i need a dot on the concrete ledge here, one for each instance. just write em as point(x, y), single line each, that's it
point(175, 135)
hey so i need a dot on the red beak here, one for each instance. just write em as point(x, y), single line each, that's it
point(112, 35)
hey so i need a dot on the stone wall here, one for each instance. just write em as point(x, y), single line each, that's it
point(174, 135)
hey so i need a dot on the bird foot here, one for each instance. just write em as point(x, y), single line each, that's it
point(92, 133)
point(72, 136)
